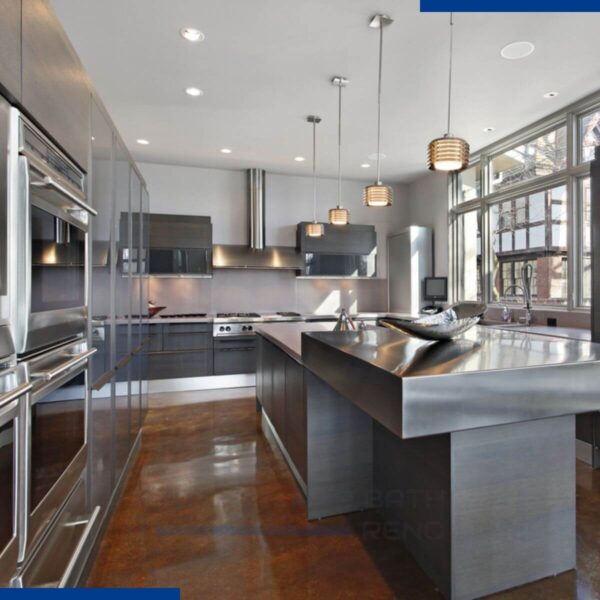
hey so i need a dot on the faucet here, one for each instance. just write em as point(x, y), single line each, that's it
point(526, 320)
point(526, 277)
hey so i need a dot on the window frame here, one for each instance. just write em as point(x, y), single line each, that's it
point(571, 176)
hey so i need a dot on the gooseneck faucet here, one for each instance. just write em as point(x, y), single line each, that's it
point(526, 277)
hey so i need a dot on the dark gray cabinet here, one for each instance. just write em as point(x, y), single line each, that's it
point(346, 239)
point(175, 350)
point(10, 48)
point(295, 415)
point(188, 336)
point(174, 365)
point(280, 391)
point(54, 87)
point(180, 231)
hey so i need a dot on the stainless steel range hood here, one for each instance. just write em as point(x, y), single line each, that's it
point(256, 255)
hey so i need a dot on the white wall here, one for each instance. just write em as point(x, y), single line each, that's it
point(428, 206)
point(223, 196)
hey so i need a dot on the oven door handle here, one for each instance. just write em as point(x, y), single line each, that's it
point(15, 393)
point(51, 374)
point(49, 182)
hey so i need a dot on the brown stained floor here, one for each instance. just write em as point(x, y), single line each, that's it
point(211, 507)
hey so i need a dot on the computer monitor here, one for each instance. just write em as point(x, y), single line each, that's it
point(435, 289)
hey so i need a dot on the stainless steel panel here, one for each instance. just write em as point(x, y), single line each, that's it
point(10, 48)
point(4, 134)
point(55, 87)
point(7, 347)
point(409, 261)
point(230, 256)
point(256, 209)
point(485, 377)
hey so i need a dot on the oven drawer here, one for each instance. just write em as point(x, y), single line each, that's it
point(234, 356)
point(174, 365)
point(60, 559)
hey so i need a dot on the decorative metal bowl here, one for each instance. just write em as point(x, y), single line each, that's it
point(443, 326)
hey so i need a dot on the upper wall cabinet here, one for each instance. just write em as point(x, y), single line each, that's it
point(55, 90)
point(338, 239)
point(10, 47)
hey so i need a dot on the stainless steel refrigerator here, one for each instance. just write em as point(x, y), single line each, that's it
point(409, 261)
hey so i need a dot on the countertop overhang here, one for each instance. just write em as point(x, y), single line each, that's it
point(482, 378)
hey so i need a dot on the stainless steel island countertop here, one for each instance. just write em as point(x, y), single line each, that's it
point(484, 377)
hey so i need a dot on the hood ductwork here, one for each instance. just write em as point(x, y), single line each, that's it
point(257, 255)
point(256, 209)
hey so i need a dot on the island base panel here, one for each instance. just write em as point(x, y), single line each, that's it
point(339, 452)
point(482, 510)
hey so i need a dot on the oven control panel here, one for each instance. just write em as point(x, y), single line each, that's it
point(224, 329)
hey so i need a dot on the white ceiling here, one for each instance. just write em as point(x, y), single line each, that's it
point(266, 64)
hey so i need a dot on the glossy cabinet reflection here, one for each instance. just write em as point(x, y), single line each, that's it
point(119, 294)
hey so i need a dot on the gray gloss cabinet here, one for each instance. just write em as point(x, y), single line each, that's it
point(55, 89)
point(345, 239)
point(10, 47)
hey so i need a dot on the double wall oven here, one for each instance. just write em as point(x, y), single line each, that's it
point(49, 221)
point(43, 383)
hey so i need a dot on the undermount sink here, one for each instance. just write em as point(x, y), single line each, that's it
point(501, 324)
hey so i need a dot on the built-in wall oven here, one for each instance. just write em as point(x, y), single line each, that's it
point(54, 444)
point(234, 347)
point(14, 387)
point(48, 231)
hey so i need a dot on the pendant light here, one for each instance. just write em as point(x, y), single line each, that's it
point(448, 153)
point(378, 195)
point(314, 229)
point(339, 215)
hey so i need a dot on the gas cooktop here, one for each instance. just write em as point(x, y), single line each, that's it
point(184, 316)
point(238, 315)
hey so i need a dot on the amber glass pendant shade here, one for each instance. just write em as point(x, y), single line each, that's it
point(449, 154)
point(314, 229)
point(377, 195)
point(339, 216)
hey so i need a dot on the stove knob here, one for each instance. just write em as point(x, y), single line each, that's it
point(249, 327)
point(221, 328)
point(227, 328)
point(243, 328)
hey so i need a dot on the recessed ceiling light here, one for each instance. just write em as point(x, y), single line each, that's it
point(375, 156)
point(142, 142)
point(517, 50)
point(226, 150)
point(550, 94)
point(194, 91)
point(299, 159)
point(489, 129)
point(365, 165)
point(191, 34)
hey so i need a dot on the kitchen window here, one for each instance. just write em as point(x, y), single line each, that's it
point(530, 193)
point(541, 156)
point(469, 252)
point(589, 135)
point(585, 249)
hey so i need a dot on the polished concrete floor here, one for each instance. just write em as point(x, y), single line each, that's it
point(210, 507)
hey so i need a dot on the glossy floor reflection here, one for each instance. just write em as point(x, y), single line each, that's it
point(210, 507)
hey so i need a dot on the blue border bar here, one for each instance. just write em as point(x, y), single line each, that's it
point(91, 594)
point(572, 6)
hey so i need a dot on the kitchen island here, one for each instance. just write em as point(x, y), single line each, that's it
point(467, 448)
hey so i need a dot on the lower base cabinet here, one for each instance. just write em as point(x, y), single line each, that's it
point(172, 365)
point(280, 391)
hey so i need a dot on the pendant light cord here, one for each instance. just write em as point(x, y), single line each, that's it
point(450, 71)
point(339, 202)
point(379, 104)
point(314, 169)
